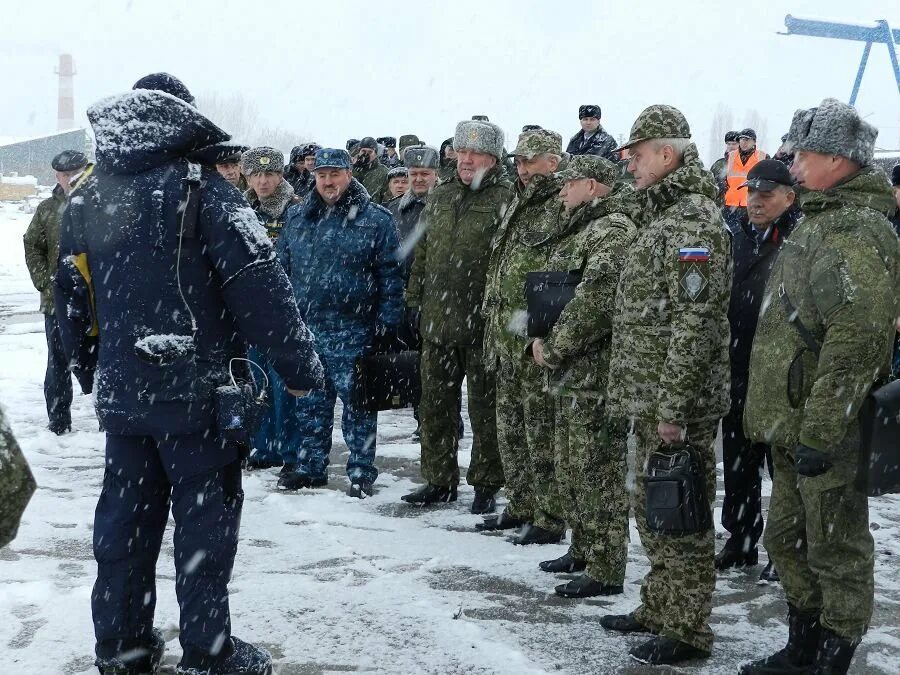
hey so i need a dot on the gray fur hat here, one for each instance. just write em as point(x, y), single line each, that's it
point(259, 160)
point(833, 128)
point(479, 136)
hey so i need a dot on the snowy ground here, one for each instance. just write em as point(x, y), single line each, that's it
point(331, 584)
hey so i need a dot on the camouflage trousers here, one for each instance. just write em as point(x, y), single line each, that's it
point(590, 452)
point(676, 594)
point(818, 535)
point(442, 370)
point(525, 439)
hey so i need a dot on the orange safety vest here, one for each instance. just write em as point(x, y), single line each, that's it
point(736, 175)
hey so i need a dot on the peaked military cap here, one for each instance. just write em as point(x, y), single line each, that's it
point(421, 157)
point(331, 158)
point(69, 160)
point(747, 133)
point(538, 142)
point(768, 174)
point(657, 121)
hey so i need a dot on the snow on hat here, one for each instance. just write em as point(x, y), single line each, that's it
point(69, 160)
point(261, 159)
point(589, 111)
point(479, 136)
point(421, 157)
point(398, 172)
point(332, 158)
point(747, 133)
point(834, 128)
point(731, 136)
point(538, 142)
point(167, 83)
point(658, 121)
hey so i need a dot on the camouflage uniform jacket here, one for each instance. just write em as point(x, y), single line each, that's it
point(522, 244)
point(669, 359)
point(374, 178)
point(16, 483)
point(840, 270)
point(42, 245)
point(450, 265)
point(595, 241)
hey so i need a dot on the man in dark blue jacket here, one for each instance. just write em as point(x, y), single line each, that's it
point(182, 273)
point(592, 139)
point(340, 252)
point(771, 216)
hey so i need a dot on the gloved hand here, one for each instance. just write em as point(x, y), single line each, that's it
point(386, 339)
point(810, 462)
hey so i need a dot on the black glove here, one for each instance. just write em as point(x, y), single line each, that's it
point(413, 316)
point(810, 462)
point(386, 339)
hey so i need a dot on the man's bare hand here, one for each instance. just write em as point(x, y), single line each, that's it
point(670, 433)
point(537, 351)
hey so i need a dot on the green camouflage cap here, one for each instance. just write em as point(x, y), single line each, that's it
point(590, 166)
point(539, 142)
point(658, 121)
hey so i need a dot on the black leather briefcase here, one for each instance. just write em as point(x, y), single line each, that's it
point(879, 422)
point(388, 381)
point(546, 295)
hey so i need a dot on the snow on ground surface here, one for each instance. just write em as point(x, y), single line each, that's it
point(332, 584)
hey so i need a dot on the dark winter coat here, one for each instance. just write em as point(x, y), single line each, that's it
point(752, 264)
point(302, 181)
point(156, 372)
point(42, 246)
point(600, 144)
point(342, 262)
point(895, 220)
point(406, 210)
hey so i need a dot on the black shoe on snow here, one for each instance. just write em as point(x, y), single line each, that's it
point(731, 556)
point(834, 654)
point(299, 481)
point(532, 534)
point(360, 489)
point(485, 501)
point(139, 661)
point(60, 429)
point(565, 564)
point(417, 434)
point(586, 587)
point(769, 573)
point(663, 650)
point(244, 659)
point(431, 494)
point(804, 632)
point(623, 623)
point(257, 460)
point(504, 521)
point(288, 467)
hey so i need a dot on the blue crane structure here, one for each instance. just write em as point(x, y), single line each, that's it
point(879, 32)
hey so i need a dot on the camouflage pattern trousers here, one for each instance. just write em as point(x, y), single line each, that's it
point(676, 595)
point(590, 453)
point(525, 439)
point(442, 370)
point(818, 535)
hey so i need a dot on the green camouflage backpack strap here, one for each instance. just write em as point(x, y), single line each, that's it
point(16, 483)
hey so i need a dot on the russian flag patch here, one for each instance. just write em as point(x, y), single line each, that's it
point(694, 254)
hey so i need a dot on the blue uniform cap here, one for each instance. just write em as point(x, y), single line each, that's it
point(331, 158)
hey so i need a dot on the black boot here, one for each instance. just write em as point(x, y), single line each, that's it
point(135, 660)
point(663, 650)
point(734, 556)
point(242, 659)
point(287, 467)
point(565, 564)
point(586, 586)
point(485, 501)
point(296, 480)
point(798, 655)
point(532, 534)
point(257, 460)
point(623, 623)
point(834, 654)
point(769, 573)
point(431, 494)
point(360, 488)
point(502, 522)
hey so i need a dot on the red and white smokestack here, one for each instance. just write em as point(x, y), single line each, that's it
point(66, 110)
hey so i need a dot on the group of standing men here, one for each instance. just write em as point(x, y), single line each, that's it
point(646, 345)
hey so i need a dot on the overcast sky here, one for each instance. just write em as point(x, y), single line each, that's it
point(338, 69)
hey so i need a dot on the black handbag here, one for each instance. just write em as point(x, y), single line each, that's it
point(546, 295)
point(388, 381)
point(879, 427)
point(675, 487)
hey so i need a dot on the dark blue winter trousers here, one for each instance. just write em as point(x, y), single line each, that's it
point(57, 379)
point(144, 476)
